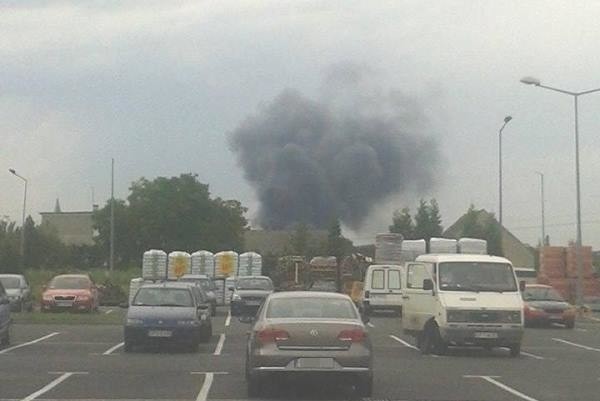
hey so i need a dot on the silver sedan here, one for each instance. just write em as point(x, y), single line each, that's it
point(309, 333)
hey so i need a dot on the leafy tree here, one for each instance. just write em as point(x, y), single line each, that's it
point(474, 226)
point(428, 220)
point(402, 223)
point(9, 247)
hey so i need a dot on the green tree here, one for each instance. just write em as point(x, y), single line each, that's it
point(483, 226)
point(402, 223)
point(428, 222)
point(9, 247)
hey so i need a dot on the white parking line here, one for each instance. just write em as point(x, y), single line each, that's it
point(219, 346)
point(109, 311)
point(491, 379)
point(112, 349)
point(203, 394)
point(401, 341)
point(4, 351)
point(64, 376)
point(532, 355)
point(580, 329)
point(577, 345)
point(593, 318)
point(370, 324)
point(228, 318)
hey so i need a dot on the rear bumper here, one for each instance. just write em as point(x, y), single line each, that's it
point(543, 317)
point(463, 335)
point(76, 306)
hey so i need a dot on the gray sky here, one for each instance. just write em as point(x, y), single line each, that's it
point(159, 85)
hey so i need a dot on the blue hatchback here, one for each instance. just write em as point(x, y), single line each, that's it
point(4, 317)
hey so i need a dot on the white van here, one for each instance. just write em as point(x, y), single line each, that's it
point(462, 300)
point(383, 288)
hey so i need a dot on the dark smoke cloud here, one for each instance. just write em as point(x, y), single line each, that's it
point(340, 156)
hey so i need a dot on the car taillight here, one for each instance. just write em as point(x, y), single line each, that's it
point(270, 335)
point(367, 293)
point(354, 335)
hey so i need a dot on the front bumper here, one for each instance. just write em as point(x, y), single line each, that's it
point(479, 334)
point(141, 334)
point(545, 317)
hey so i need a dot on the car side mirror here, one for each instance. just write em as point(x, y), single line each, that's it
point(246, 319)
point(427, 284)
point(522, 285)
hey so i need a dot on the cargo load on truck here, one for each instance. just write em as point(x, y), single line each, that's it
point(154, 265)
point(203, 262)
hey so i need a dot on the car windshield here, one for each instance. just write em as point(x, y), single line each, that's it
point(476, 276)
point(254, 284)
point(69, 283)
point(179, 297)
point(312, 308)
point(542, 294)
point(10, 282)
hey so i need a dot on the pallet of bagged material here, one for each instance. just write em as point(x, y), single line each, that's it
point(154, 265)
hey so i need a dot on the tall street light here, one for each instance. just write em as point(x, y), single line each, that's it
point(543, 201)
point(575, 95)
point(12, 171)
point(506, 120)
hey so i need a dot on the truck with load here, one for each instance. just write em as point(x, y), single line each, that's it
point(462, 300)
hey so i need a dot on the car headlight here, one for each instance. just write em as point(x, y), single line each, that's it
point(83, 298)
point(236, 297)
point(188, 323)
point(511, 317)
point(457, 316)
point(134, 322)
point(48, 298)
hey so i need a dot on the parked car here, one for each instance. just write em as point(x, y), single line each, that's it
point(207, 285)
point(172, 312)
point(382, 289)
point(304, 333)
point(70, 292)
point(323, 286)
point(5, 319)
point(18, 291)
point(249, 293)
point(544, 305)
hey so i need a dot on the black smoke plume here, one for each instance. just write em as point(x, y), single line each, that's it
point(337, 157)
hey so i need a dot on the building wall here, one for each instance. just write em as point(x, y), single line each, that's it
point(72, 228)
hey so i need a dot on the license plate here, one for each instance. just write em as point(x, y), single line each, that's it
point(159, 333)
point(64, 303)
point(485, 334)
point(314, 363)
point(253, 303)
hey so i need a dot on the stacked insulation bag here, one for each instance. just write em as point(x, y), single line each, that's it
point(134, 286)
point(154, 265)
point(226, 265)
point(388, 248)
point(250, 264)
point(442, 245)
point(472, 246)
point(411, 249)
point(180, 263)
point(203, 262)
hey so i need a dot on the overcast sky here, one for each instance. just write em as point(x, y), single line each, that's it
point(159, 85)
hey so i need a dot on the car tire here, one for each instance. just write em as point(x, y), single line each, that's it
point(255, 386)
point(127, 346)
point(431, 341)
point(515, 350)
point(364, 387)
point(213, 310)
point(206, 334)
point(570, 324)
point(19, 307)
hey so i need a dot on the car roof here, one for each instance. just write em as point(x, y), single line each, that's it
point(12, 275)
point(169, 284)
point(196, 276)
point(73, 276)
point(261, 277)
point(308, 294)
point(386, 266)
point(460, 257)
point(537, 286)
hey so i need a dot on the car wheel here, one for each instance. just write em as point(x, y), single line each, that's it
point(255, 385)
point(128, 346)
point(515, 350)
point(364, 387)
point(570, 324)
point(206, 334)
point(431, 341)
point(19, 307)
point(213, 310)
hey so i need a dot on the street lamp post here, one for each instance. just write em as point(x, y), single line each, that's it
point(22, 245)
point(506, 120)
point(543, 201)
point(575, 95)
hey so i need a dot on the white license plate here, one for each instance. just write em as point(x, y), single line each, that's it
point(485, 334)
point(253, 303)
point(314, 363)
point(64, 303)
point(159, 333)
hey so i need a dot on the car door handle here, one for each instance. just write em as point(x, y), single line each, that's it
point(405, 297)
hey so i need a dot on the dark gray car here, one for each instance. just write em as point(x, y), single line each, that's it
point(18, 291)
point(171, 312)
point(249, 293)
point(309, 333)
point(4, 317)
point(209, 287)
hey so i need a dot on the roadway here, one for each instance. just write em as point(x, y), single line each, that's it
point(56, 362)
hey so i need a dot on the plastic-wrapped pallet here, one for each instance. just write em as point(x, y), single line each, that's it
point(203, 262)
point(413, 248)
point(472, 246)
point(250, 264)
point(179, 264)
point(154, 265)
point(223, 292)
point(134, 285)
point(388, 248)
point(226, 263)
point(442, 245)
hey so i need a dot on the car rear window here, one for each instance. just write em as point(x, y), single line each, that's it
point(318, 308)
point(10, 282)
point(70, 283)
point(394, 279)
point(177, 297)
point(377, 279)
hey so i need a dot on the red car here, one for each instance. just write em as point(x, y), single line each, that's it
point(544, 305)
point(70, 292)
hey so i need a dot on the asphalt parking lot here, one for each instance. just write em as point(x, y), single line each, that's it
point(70, 362)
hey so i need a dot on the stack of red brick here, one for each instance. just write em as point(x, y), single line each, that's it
point(558, 268)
